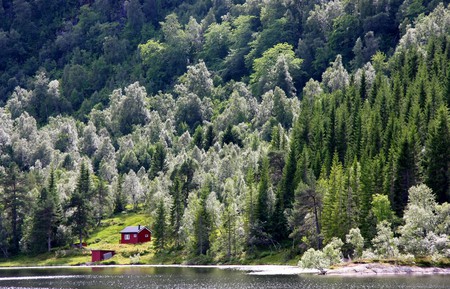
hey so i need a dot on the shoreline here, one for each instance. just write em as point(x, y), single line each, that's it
point(347, 270)
point(250, 269)
point(383, 269)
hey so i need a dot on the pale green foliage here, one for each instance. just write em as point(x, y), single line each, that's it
point(332, 251)
point(355, 238)
point(330, 255)
point(135, 259)
point(240, 107)
point(384, 243)
point(196, 80)
point(369, 73)
point(312, 90)
point(18, 101)
point(368, 255)
point(133, 188)
point(6, 128)
point(314, 259)
point(436, 24)
point(443, 219)
point(26, 126)
point(378, 61)
point(173, 32)
point(64, 133)
point(151, 51)
point(194, 34)
point(335, 77)
point(420, 221)
point(264, 66)
point(129, 109)
point(323, 16)
point(381, 208)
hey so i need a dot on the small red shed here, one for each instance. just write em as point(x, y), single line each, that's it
point(100, 255)
point(135, 234)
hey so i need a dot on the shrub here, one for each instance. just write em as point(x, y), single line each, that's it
point(135, 259)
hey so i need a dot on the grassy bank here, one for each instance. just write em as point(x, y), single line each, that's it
point(107, 237)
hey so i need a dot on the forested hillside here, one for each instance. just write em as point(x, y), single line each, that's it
point(236, 125)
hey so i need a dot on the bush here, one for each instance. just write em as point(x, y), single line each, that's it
point(332, 251)
point(135, 259)
point(315, 259)
point(355, 238)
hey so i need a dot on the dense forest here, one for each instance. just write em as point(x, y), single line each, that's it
point(238, 125)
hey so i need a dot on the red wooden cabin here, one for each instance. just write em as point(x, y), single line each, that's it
point(100, 255)
point(135, 234)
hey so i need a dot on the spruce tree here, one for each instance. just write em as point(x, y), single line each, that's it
point(14, 201)
point(177, 209)
point(158, 160)
point(101, 194)
point(202, 225)
point(120, 200)
point(262, 207)
point(159, 228)
point(405, 174)
point(334, 216)
point(208, 138)
point(47, 217)
point(438, 156)
point(81, 219)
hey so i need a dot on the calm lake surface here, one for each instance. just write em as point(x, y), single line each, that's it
point(162, 277)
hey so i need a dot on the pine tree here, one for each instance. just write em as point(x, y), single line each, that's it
point(307, 206)
point(80, 202)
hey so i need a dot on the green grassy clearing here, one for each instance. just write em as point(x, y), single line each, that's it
point(106, 236)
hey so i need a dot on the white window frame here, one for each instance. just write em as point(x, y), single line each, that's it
point(126, 237)
point(146, 235)
point(135, 236)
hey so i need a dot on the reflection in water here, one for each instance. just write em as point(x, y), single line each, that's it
point(187, 278)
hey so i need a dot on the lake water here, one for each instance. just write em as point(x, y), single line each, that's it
point(179, 277)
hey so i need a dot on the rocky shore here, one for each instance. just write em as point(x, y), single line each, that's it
point(386, 269)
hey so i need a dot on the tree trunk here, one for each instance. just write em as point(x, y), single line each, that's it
point(229, 237)
point(15, 232)
point(316, 219)
point(49, 242)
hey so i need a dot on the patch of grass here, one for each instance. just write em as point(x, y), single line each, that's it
point(108, 231)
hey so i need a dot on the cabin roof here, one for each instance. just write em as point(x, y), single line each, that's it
point(134, 229)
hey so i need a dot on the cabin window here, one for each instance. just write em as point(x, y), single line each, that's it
point(135, 235)
point(126, 236)
point(146, 235)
